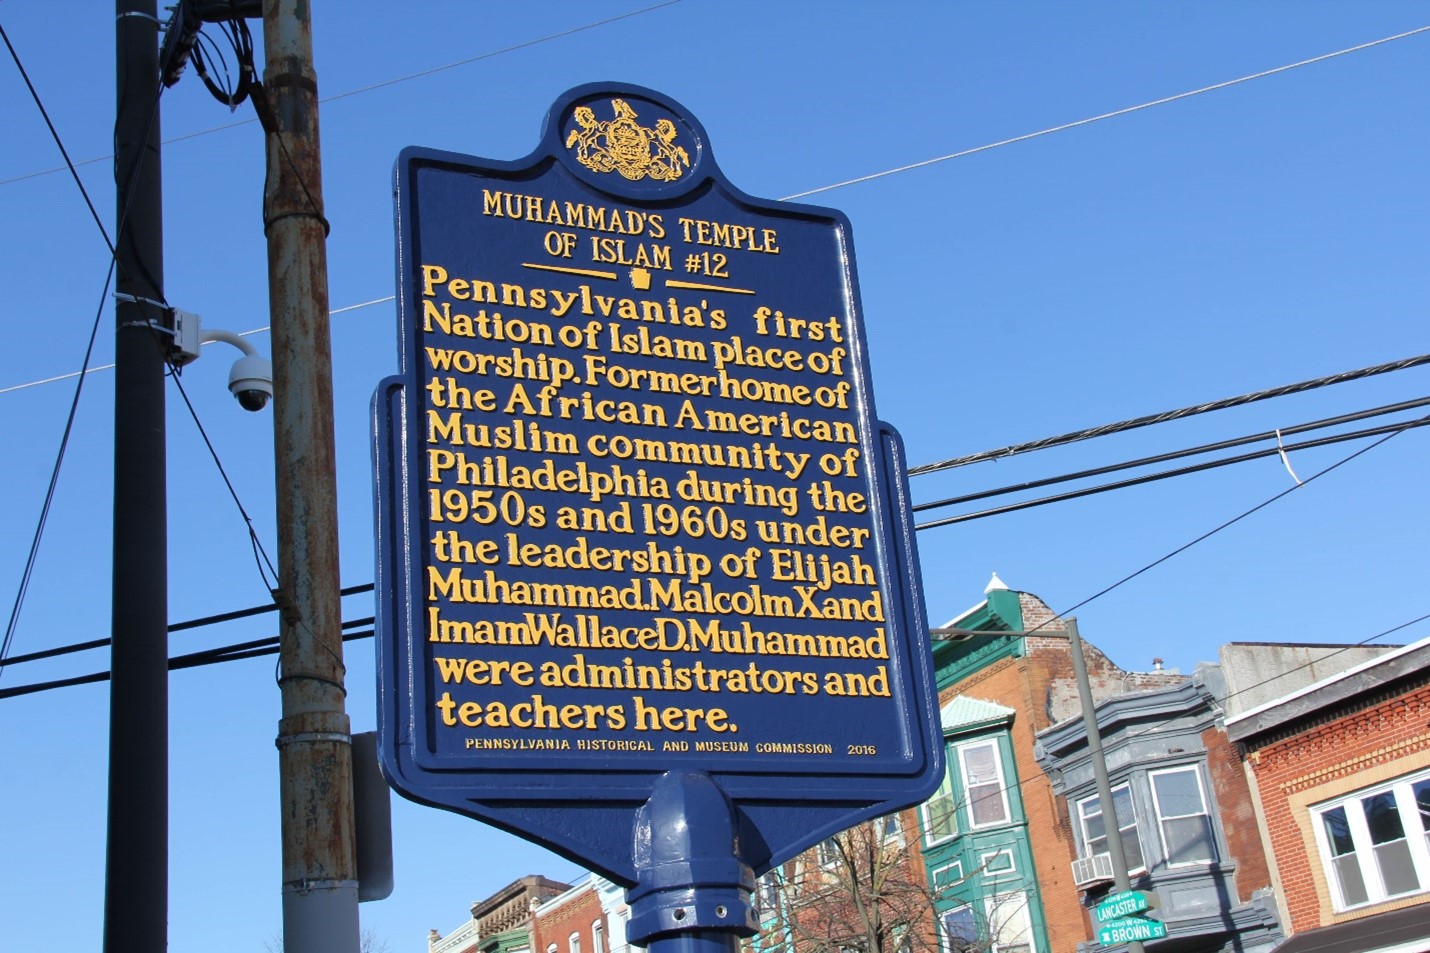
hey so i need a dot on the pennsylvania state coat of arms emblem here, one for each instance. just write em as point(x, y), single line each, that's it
point(625, 146)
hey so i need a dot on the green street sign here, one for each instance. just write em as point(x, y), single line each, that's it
point(1128, 929)
point(1123, 904)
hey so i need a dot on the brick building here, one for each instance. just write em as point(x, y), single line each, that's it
point(571, 922)
point(1184, 809)
point(1341, 769)
point(997, 842)
point(503, 922)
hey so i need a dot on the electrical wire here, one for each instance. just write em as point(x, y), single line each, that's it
point(109, 367)
point(1176, 454)
point(1110, 115)
point(1391, 429)
point(27, 574)
point(1136, 422)
point(380, 85)
point(260, 555)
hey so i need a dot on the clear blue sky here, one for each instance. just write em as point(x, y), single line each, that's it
point(1257, 235)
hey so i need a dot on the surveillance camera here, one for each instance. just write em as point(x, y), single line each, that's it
point(251, 381)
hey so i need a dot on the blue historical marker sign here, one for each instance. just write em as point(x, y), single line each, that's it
point(636, 517)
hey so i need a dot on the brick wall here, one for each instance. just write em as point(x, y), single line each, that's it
point(1238, 813)
point(1329, 760)
point(1021, 684)
point(573, 912)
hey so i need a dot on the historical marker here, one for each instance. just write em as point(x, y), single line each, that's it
point(639, 527)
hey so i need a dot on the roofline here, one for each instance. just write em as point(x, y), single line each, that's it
point(1325, 683)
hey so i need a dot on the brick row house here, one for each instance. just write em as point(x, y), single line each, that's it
point(1341, 770)
point(1241, 839)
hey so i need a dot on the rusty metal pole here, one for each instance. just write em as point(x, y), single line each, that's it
point(320, 890)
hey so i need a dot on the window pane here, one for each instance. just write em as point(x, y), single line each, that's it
point(940, 817)
point(1397, 870)
point(1344, 861)
point(959, 926)
point(1382, 818)
point(983, 782)
point(980, 766)
point(1189, 840)
point(1349, 877)
point(1178, 793)
point(1338, 831)
point(1011, 928)
point(986, 804)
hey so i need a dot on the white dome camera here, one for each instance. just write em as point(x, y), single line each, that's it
point(250, 380)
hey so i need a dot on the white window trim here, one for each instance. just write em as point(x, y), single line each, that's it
point(987, 858)
point(1082, 823)
point(929, 839)
point(1365, 850)
point(598, 937)
point(1002, 783)
point(946, 941)
point(992, 905)
point(956, 865)
point(1206, 812)
point(573, 942)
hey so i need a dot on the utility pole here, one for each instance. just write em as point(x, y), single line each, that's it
point(1117, 854)
point(136, 896)
point(1120, 877)
point(320, 888)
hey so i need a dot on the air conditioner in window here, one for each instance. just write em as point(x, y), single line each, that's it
point(1090, 871)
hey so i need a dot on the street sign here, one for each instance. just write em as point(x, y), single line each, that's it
point(638, 523)
point(1128, 929)
point(1128, 902)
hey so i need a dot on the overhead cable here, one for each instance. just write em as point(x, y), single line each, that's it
point(1004, 452)
point(380, 85)
point(1390, 429)
point(1111, 115)
point(1179, 454)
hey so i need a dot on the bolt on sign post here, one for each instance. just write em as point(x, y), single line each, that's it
point(648, 591)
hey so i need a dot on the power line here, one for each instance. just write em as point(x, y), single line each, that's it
point(1092, 119)
point(380, 85)
point(1391, 429)
point(230, 616)
point(1177, 454)
point(27, 573)
point(1237, 519)
point(1167, 415)
point(110, 367)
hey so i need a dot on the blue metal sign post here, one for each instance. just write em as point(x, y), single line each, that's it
point(648, 592)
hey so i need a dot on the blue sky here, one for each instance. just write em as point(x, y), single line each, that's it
point(1257, 235)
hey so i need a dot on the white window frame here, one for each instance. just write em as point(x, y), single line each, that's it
point(1416, 836)
point(598, 937)
point(944, 792)
point(1002, 782)
point(573, 942)
point(1136, 829)
point(945, 939)
point(988, 858)
point(1162, 819)
point(955, 879)
point(1001, 909)
point(827, 853)
point(890, 829)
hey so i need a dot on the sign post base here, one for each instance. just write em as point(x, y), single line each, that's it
point(693, 888)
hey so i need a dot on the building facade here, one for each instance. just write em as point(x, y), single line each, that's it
point(1341, 768)
point(1184, 811)
point(503, 922)
point(998, 844)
